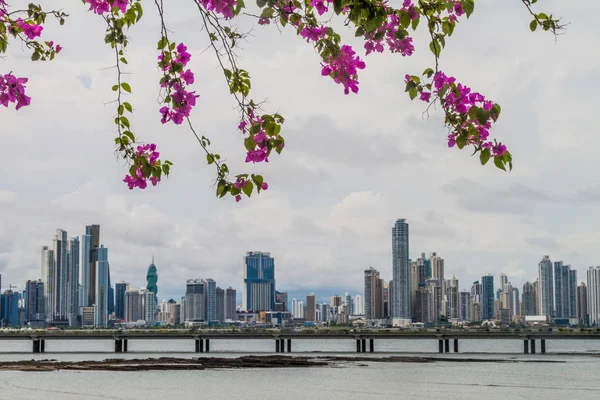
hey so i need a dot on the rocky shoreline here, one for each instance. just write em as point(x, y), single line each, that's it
point(203, 363)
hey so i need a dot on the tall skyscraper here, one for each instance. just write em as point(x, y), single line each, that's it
point(195, 290)
point(152, 280)
point(220, 305)
point(593, 295)
point(259, 282)
point(73, 252)
point(528, 304)
point(452, 298)
point(149, 304)
point(465, 306)
point(311, 308)
point(101, 290)
point(348, 304)
point(487, 297)
point(572, 290)
point(211, 300)
point(582, 310)
point(48, 281)
point(281, 301)
point(91, 242)
point(35, 314)
point(401, 271)
point(545, 288)
point(59, 308)
point(120, 289)
point(230, 304)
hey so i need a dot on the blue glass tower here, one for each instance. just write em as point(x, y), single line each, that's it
point(102, 285)
point(259, 282)
point(487, 297)
point(152, 280)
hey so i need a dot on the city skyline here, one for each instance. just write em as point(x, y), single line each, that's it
point(172, 289)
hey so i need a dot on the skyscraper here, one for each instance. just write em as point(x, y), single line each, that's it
point(91, 242)
point(373, 294)
point(348, 304)
point(59, 308)
point(35, 314)
point(101, 290)
point(358, 305)
point(593, 295)
point(133, 305)
point(259, 282)
point(48, 281)
point(211, 300)
point(582, 310)
point(230, 304)
point(528, 305)
point(152, 280)
point(487, 297)
point(401, 272)
point(149, 302)
point(545, 288)
point(220, 305)
point(73, 278)
point(311, 308)
point(195, 300)
point(120, 289)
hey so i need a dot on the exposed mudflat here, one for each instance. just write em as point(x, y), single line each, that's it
point(202, 363)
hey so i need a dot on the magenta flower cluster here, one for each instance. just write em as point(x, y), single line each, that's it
point(344, 68)
point(12, 90)
point(148, 154)
point(30, 30)
point(261, 152)
point(103, 6)
point(181, 100)
point(320, 5)
point(241, 182)
point(223, 7)
point(459, 99)
point(402, 45)
point(456, 10)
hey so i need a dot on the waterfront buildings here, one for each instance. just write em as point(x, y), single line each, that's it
point(152, 280)
point(120, 289)
point(487, 297)
point(593, 295)
point(35, 306)
point(374, 285)
point(545, 287)
point(311, 308)
point(101, 291)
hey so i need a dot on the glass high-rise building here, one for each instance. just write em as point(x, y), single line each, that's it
point(102, 285)
point(593, 296)
point(545, 288)
point(401, 271)
point(152, 280)
point(487, 297)
point(195, 296)
point(220, 305)
point(211, 300)
point(259, 282)
point(48, 281)
point(60, 307)
point(35, 314)
point(73, 278)
point(90, 243)
point(230, 304)
point(120, 289)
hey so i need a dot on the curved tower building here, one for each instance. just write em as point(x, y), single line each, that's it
point(152, 280)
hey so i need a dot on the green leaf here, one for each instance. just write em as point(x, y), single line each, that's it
point(249, 144)
point(533, 25)
point(405, 20)
point(338, 6)
point(429, 72)
point(210, 159)
point(267, 13)
point(261, 3)
point(128, 107)
point(360, 32)
point(123, 60)
point(35, 56)
point(434, 46)
point(247, 189)
point(124, 121)
point(258, 180)
point(120, 109)
point(126, 87)
point(499, 162)
point(483, 116)
point(542, 16)
point(468, 6)
point(473, 112)
point(461, 141)
point(413, 93)
point(221, 189)
point(495, 111)
point(484, 156)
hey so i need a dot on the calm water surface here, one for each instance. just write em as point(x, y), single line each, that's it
point(575, 378)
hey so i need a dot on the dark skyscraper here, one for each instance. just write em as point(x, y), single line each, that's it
point(487, 297)
point(230, 304)
point(35, 304)
point(220, 304)
point(120, 289)
point(91, 242)
point(152, 280)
